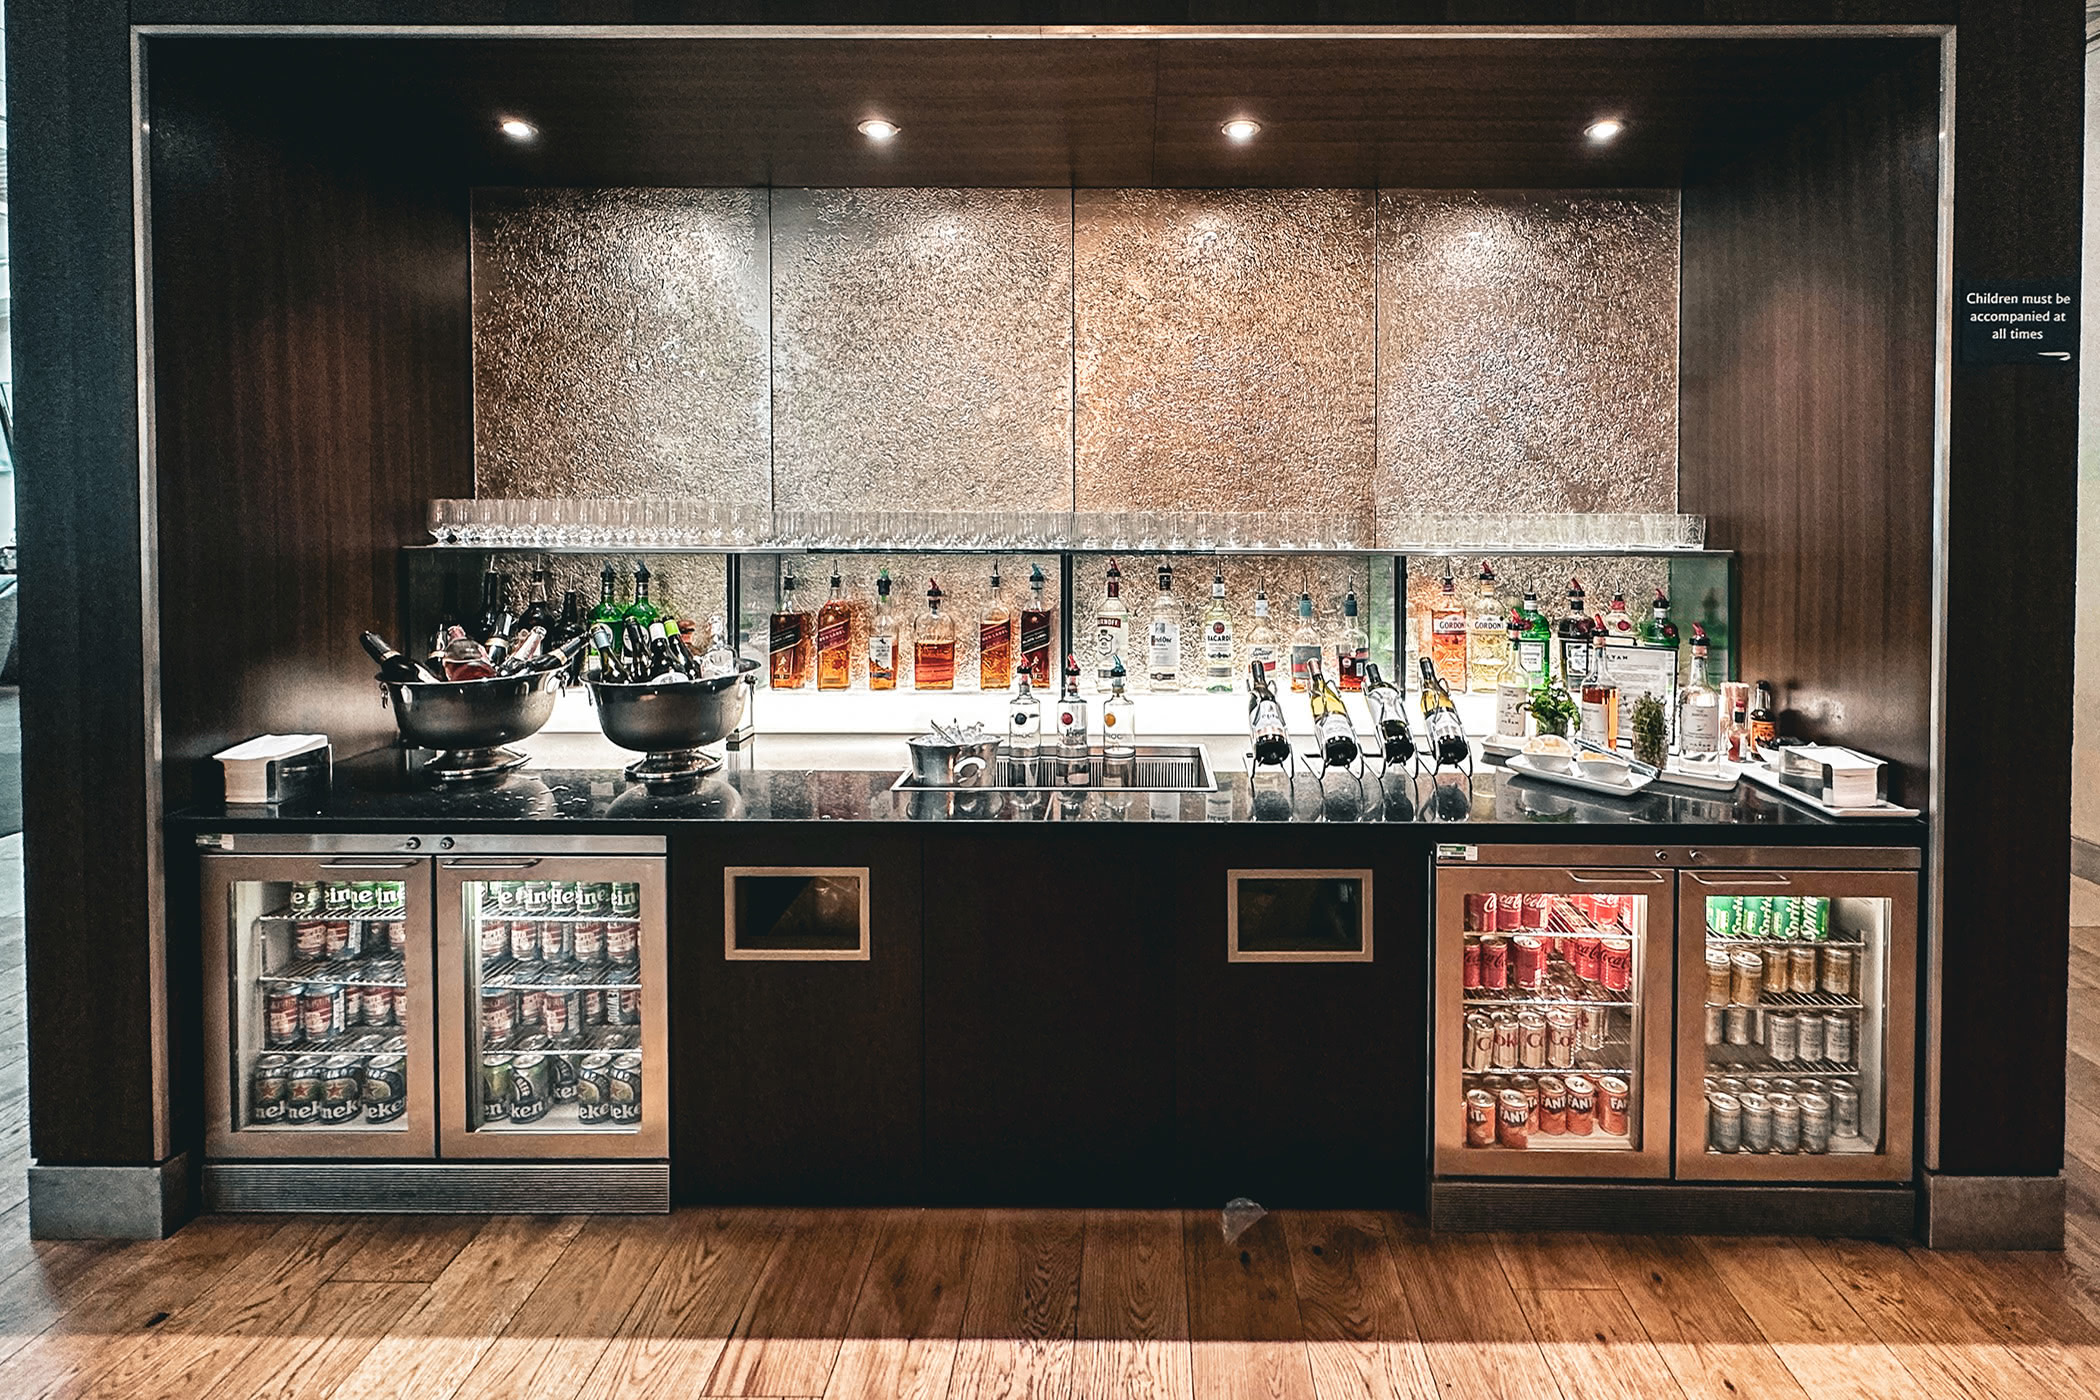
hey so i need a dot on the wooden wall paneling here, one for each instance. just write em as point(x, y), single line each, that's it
point(796, 1082)
point(1049, 1021)
point(312, 393)
point(89, 805)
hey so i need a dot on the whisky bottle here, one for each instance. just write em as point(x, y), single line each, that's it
point(1272, 739)
point(882, 638)
point(1262, 641)
point(1450, 630)
point(1163, 641)
point(1698, 706)
point(995, 640)
point(1038, 625)
point(835, 639)
point(933, 645)
point(1487, 635)
point(1217, 639)
point(1576, 638)
point(1353, 650)
point(788, 640)
point(1305, 645)
point(1447, 734)
point(1074, 760)
point(1111, 625)
point(1332, 729)
point(1396, 741)
point(1118, 718)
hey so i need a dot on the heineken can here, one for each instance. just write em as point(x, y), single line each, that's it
point(271, 1085)
point(561, 1078)
point(562, 897)
point(594, 901)
point(306, 901)
point(385, 1088)
point(506, 893)
point(626, 1077)
point(627, 900)
point(305, 1083)
point(594, 1089)
point(530, 1092)
point(342, 1088)
point(495, 1088)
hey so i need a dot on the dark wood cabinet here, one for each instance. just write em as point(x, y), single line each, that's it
point(797, 1074)
point(1049, 1014)
point(1301, 1061)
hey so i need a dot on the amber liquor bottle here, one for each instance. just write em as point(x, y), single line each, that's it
point(834, 639)
point(995, 640)
point(1038, 624)
point(788, 642)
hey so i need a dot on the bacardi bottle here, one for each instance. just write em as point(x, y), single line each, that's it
point(995, 640)
point(1074, 759)
point(835, 639)
point(1305, 645)
point(1272, 739)
point(788, 640)
point(1111, 625)
point(1576, 637)
point(1698, 706)
point(1353, 650)
point(882, 638)
point(1218, 657)
point(933, 645)
point(1038, 626)
point(1332, 729)
point(1163, 640)
point(1450, 631)
point(1487, 635)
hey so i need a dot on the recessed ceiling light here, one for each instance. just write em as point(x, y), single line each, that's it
point(1241, 129)
point(1604, 129)
point(876, 129)
point(517, 128)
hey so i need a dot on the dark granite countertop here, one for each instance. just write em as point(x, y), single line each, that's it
point(376, 792)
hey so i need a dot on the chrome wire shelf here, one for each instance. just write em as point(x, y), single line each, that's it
point(513, 975)
point(1767, 1067)
point(373, 972)
point(1472, 1000)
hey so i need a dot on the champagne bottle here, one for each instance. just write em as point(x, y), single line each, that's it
point(602, 662)
point(1447, 734)
point(393, 666)
point(1332, 730)
point(466, 659)
point(1272, 740)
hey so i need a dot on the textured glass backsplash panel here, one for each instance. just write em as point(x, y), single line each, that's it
point(922, 349)
point(1527, 350)
point(620, 343)
point(1224, 350)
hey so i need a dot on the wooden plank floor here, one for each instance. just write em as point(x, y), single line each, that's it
point(1068, 1305)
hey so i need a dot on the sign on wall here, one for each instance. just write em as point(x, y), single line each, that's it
point(2017, 321)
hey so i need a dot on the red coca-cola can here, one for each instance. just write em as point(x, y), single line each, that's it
point(1509, 912)
point(1494, 964)
point(1606, 909)
point(1586, 952)
point(1480, 913)
point(1553, 1105)
point(1513, 1119)
point(1527, 956)
point(1471, 962)
point(1583, 904)
point(1536, 909)
point(1480, 1118)
point(1615, 962)
point(1612, 1101)
point(1582, 1105)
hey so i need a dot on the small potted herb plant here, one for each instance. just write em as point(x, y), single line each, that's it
point(1651, 731)
point(1552, 710)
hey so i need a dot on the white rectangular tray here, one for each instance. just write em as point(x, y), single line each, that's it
point(1521, 765)
point(1765, 778)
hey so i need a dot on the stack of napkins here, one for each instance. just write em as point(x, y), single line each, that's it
point(272, 767)
point(1834, 776)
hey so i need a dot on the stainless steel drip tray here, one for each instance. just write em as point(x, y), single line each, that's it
point(1157, 768)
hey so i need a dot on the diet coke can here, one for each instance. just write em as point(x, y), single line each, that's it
point(1507, 1040)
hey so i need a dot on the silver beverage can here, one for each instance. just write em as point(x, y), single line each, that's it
point(1480, 1041)
point(1838, 1045)
point(1724, 1123)
point(1838, 964)
point(1801, 968)
point(1738, 1023)
point(1593, 1026)
point(1786, 1123)
point(1783, 1036)
point(1561, 1037)
point(385, 1088)
point(1815, 1123)
point(1507, 1038)
point(1809, 1033)
point(1757, 1123)
point(1716, 1024)
point(1531, 1040)
point(1844, 1111)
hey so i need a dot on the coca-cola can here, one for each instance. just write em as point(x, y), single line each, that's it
point(1480, 1118)
point(1480, 913)
point(1527, 958)
point(1531, 1040)
point(1537, 907)
point(1561, 1037)
point(1582, 1105)
point(1587, 956)
point(1494, 964)
point(1480, 1041)
point(1470, 962)
point(1592, 1026)
point(1607, 910)
point(1509, 912)
point(1513, 1119)
point(1553, 1105)
point(1613, 1099)
point(1507, 1040)
point(1615, 962)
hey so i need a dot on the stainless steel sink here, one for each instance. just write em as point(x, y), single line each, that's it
point(1157, 768)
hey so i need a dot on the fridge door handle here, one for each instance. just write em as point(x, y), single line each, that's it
point(491, 864)
point(1741, 877)
point(1616, 877)
point(370, 864)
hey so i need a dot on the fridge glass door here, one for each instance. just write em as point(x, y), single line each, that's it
point(1553, 996)
point(1795, 1025)
point(318, 1007)
point(552, 984)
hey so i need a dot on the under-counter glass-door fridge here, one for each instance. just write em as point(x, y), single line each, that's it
point(1795, 1024)
point(552, 1006)
point(1553, 1020)
point(318, 1007)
